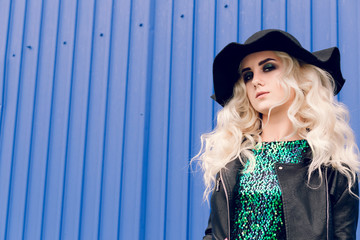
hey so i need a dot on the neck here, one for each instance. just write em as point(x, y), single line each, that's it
point(278, 128)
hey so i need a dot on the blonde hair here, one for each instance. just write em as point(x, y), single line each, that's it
point(315, 115)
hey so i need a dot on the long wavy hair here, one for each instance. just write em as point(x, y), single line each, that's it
point(315, 115)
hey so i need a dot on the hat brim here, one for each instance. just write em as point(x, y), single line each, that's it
point(226, 63)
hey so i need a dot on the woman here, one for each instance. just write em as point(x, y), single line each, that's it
point(282, 160)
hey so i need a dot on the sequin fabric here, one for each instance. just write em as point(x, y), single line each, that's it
point(258, 212)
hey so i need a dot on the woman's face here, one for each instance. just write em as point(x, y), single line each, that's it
point(261, 72)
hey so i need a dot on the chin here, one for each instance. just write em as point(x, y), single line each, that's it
point(263, 110)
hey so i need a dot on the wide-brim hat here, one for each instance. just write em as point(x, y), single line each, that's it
point(226, 63)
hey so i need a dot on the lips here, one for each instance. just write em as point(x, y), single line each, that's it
point(259, 94)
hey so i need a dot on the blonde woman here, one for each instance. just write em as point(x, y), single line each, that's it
point(282, 160)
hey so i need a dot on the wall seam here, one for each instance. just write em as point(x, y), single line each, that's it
point(169, 115)
point(68, 121)
point(147, 113)
point(87, 122)
point(2, 110)
point(124, 123)
point(16, 123)
point(191, 109)
point(33, 120)
point(106, 120)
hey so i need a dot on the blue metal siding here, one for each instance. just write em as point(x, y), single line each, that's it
point(103, 104)
point(60, 26)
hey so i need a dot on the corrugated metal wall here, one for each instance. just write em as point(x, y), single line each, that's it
point(103, 102)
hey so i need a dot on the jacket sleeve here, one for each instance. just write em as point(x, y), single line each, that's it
point(208, 231)
point(345, 208)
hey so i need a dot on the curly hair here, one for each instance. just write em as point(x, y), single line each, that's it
point(315, 115)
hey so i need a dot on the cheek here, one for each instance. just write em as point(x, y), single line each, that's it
point(283, 92)
point(280, 90)
point(249, 89)
point(250, 93)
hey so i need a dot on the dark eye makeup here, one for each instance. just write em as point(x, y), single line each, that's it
point(269, 67)
point(247, 76)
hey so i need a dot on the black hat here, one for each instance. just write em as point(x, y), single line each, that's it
point(226, 63)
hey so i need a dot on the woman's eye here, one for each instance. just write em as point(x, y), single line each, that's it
point(268, 67)
point(247, 76)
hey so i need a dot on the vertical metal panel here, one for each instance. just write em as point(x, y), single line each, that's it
point(103, 103)
point(324, 25)
point(109, 215)
point(12, 79)
point(4, 166)
point(226, 23)
point(299, 12)
point(179, 119)
point(77, 129)
point(348, 39)
point(41, 121)
point(4, 27)
point(202, 110)
point(274, 14)
point(100, 86)
point(24, 122)
point(64, 23)
point(250, 18)
point(135, 125)
point(93, 167)
point(154, 205)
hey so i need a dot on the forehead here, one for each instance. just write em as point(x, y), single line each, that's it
point(257, 57)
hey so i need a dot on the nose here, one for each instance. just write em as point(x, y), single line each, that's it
point(257, 80)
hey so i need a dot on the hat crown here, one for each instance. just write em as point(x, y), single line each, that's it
point(272, 34)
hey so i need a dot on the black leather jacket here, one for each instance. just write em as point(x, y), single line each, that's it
point(319, 210)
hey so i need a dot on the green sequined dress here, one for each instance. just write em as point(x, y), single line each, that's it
point(258, 212)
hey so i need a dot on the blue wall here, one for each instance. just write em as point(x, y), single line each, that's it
point(103, 103)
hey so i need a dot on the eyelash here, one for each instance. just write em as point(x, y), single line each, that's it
point(268, 67)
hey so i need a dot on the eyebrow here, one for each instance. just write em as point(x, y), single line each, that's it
point(260, 63)
point(265, 60)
